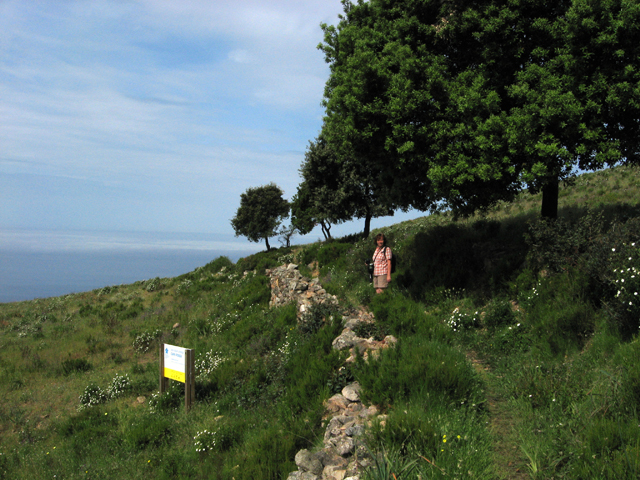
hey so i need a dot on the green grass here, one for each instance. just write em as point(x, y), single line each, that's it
point(517, 357)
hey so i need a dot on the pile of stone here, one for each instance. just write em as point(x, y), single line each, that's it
point(288, 285)
point(343, 454)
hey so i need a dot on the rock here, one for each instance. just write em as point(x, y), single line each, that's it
point(347, 339)
point(352, 392)
point(334, 473)
point(308, 462)
point(345, 446)
point(336, 403)
point(141, 399)
point(390, 340)
point(354, 431)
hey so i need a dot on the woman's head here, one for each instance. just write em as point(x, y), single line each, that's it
point(379, 237)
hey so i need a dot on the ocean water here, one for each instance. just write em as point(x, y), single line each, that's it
point(26, 275)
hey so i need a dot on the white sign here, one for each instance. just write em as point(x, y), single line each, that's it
point(174, 362)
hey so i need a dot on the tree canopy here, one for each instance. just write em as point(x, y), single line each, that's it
point(261, 211)
point(336, 188)
point(468, 103)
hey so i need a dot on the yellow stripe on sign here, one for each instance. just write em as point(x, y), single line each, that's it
point(174, 375)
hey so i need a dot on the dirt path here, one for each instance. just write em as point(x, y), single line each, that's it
point(508, 458)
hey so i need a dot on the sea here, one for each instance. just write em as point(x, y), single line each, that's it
point(50, 264)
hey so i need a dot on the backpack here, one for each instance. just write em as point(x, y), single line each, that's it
point(394, 259)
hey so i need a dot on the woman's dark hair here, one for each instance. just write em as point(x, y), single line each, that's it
point(378, 237)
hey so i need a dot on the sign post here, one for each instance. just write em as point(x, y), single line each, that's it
point(178, 364)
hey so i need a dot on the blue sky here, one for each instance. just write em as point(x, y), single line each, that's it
point(122, 116)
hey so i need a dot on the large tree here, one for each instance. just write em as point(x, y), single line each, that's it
point(261, 211)
point(338, 188)
point(468, 103)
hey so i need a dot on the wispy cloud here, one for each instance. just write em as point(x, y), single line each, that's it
point(182, 104)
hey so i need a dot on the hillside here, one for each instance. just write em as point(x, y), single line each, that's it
point(517, 356)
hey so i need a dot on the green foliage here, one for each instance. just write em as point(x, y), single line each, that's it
point(316, 317)
point(435, 99)
point(73, 365)
point(499, 313)
point(261, 211)
point(145, 341)
point(147, 431)
point(415, 367)
point(558, 244)
point(561, 315)
point(400, 316)
point(409, 428)
point(369, 330)
point(331, 253)
point(625, 280)
point(480, 256)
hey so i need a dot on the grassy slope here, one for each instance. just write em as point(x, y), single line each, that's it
point(543, 394)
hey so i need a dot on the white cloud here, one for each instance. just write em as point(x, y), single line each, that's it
point(184, 104)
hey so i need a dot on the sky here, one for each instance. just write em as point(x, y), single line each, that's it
point(124, 120)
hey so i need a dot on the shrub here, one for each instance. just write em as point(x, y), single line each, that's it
point(368, 330)
point(332, 252)
point(316, 317)
point(408, 429)
point(557, 244)
point(170, 400)
point(148, 431)
point(560, 316)
point(73, 365)
point(145, 340)
point(221, 438)
point(624, 308)
point(184, 287)
point(401, 316)
point(499, 313)
point(92, 395)
point(413, 368)
point(219, 264)
point(120, 384)
point(459, 321)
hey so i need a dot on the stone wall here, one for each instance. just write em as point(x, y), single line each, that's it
point(343, 455)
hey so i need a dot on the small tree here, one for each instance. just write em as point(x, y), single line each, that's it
point(261, 211)
point(285, 234)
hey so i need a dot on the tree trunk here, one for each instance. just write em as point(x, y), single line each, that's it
point(326, 230)
point(266, 239)
point(367, 226)
point(550, 193)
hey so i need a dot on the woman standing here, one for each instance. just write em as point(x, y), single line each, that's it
point(381, 264)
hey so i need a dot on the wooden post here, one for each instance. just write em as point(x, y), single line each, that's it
point(189, 380)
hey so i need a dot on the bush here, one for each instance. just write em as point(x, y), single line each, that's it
point(401, 316)
point(92, 395)
point(559, 315)
point(219, 264)
point(148, 431)
point(624, 308)
point(316, 317)
point(332, 252)
point(408, 429)
point(73, 365)
point(413, 368)
point(499, 313)
point(143, 342)
point(557, 244)
point(222, 437)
